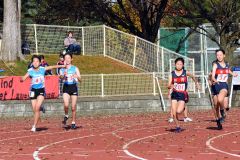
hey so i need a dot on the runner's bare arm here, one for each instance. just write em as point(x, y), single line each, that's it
point(170, 85)
point(24, 77)
point(77, 75)
point(54, 67)
point(214, 73)
point(233, 74)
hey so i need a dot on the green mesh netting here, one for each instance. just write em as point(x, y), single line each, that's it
point(169, 38)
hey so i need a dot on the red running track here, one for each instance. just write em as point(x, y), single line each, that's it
point(122, 137)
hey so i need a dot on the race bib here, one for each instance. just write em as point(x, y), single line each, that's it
point(31, 94)
point(38, 80)
point(222, 77)
point(70, 78)
point(179, 87)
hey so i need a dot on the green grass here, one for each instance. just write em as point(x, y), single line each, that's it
point(86, 65)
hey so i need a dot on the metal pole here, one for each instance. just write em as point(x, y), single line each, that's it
point(134, 51)
point(162, 62)
point(83, 46)
point(102, 85)
point(104, 40)
point(35, 36)
point(158, 70)
point(154, 86)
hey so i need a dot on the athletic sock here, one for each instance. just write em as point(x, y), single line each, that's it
point(222, 111)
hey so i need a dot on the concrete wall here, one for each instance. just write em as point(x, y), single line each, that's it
point(89, 106)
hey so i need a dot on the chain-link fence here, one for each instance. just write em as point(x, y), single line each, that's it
point(139, 53)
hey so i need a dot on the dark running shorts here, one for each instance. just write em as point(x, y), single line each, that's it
point(70, 89)
point(34, 93)
point(180, 96)
point(213, 90)
point(219, 86)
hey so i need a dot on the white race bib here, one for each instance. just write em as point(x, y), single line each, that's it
point(222, 77)
point(179, 87)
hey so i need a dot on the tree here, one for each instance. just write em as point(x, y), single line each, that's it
point(11, 41)
point(29, 11)
point(149, 14)
point(64, 12)
point(223, 15)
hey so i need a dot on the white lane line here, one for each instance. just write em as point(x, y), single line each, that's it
point(35, 154)
point(208, 143)
point(125, 147)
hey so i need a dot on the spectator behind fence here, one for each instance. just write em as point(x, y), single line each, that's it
point(60, 62)
point(25, 48)
point(71, 44)
point(45, 64)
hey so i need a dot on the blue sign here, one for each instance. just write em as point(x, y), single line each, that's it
point(237, 68)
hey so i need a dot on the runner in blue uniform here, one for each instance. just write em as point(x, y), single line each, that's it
point(178, 83)
point(70, 76)
point(37, 90)
point(220, 73)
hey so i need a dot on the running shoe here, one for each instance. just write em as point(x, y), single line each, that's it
point(73, 126)
point(187, 119)
point(178, 129)
point(170, 120)
point(33, 129)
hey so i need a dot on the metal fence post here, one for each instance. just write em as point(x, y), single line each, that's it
point(102, 85)
point(193, 72)
point(162, 56)
point(35, 36)
point(83, 46)
point(203, 82)
point(104, 40)
point(134, 51)
point(158, 59)
point(154, 86)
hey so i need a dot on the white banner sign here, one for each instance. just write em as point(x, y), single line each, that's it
point(236, 80)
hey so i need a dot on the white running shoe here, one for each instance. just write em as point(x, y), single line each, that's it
point(170, 120)
point(33, 129)
point(187, 119)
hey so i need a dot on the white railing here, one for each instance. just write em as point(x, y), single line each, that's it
point(161, 95)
